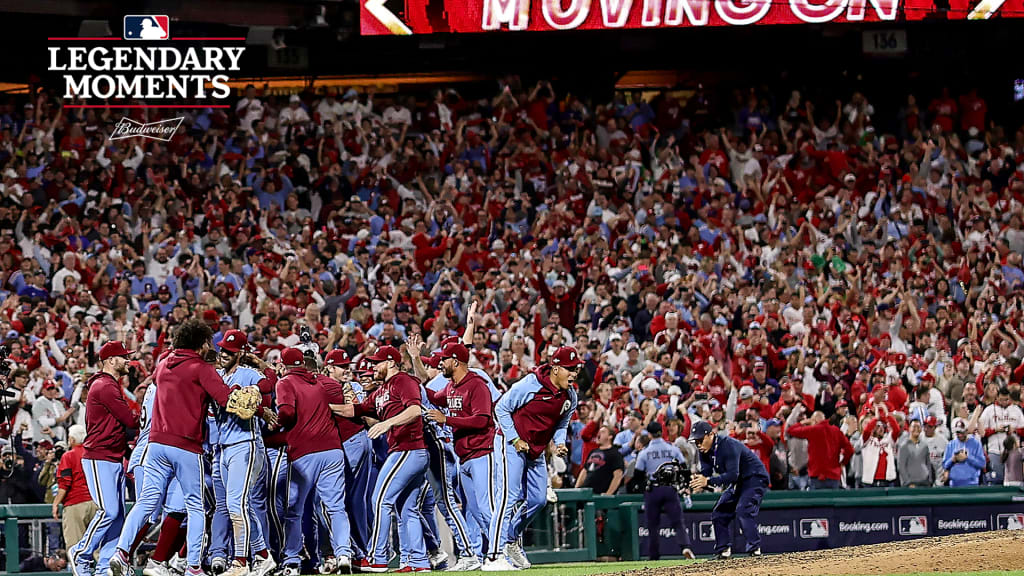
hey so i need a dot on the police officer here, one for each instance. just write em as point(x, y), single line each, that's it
point(743, 479)
point(664, 465)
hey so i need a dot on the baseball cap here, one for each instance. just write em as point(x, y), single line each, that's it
point(164, 289)
point(746, 392)
point(931, 421)
point(649, 384)
point(210, 317)
point(773, 422)
point(434, 360)
point(233, 341)
point(44, 444)
point(226, 319)
point(566, 357)
point(841, 403)
point(959, 425)
point(337, 357)
point(50, 385)
point(364, 366)
point(292, 357)
point(632, 346)
point(654, 428)
point(615, 336)
point(455, 350)
point(113, 348)
point(699, 431)
point(385, 353)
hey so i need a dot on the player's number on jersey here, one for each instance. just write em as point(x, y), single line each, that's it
point(143, 418)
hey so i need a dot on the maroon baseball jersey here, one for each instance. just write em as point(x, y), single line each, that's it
point(314, 430)
point(185, 385)
point(388, 401)
point(469, 416)
point(347, 427)
point(107, 419)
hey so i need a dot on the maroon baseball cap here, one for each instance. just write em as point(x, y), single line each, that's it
point(931, 421)
point(337, 357)
point(385, 353)
point(566, 357)
point(113, 348)
point(455, 350)
point(164, 289)
point(434, 360)
point(364, 366)
point(292, 357)
point(233, 341)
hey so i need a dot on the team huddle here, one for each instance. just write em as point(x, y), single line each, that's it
point(252, 469)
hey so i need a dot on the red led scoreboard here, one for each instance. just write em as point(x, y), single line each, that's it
point(406, 17)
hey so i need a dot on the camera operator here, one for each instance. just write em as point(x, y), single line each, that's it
point(17, 485)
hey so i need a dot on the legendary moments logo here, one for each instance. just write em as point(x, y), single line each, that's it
point(103, 68)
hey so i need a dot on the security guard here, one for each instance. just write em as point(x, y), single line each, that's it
point(744, 481)
point(664, 465)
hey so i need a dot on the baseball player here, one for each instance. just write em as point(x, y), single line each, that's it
point(356, 446)
point(108, 418)
point(534, 411)
point(744, 480)
point(242, 455)
point(469, 404)
point(443, 474)
point(171, 535)
point(316, 461)
point(185, 385)
point(396, 402)
point(661, 496)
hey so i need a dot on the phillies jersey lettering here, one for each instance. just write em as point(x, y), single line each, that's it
point(536, 411)
point(454, 403)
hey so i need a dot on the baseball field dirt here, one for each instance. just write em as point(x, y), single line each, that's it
point(1000, 551)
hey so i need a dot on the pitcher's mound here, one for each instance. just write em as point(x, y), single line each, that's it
point(961, 553)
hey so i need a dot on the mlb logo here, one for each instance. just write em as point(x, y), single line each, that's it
point(706, 531)
point(814, 528)
point(1010, 521)
point(913, 525)
point(147, 27)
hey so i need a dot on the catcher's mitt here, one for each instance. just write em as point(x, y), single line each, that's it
point(244, 402)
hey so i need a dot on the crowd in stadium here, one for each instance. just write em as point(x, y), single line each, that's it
point(841, 291)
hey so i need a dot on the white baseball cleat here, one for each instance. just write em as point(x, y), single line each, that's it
point(263, 566)
point(500, 564)
point(515, 554)
point(154, 568)
point(465, 564)
point(437, 558)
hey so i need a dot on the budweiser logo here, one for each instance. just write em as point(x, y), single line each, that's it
point(163, 130)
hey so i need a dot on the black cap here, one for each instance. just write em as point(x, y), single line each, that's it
point(654, 429)
point(699, 431)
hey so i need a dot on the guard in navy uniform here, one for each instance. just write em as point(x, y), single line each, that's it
point(666, 468)
point(743, 479)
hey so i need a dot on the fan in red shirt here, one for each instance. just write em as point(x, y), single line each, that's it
point(828, 450)
point(72, 489)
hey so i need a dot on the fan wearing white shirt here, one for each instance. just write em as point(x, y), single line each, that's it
point(329, 109)
point(292, 115)
point(249, 109)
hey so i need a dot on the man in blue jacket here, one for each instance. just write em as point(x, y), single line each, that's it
point(964, 460)
point(727, 463)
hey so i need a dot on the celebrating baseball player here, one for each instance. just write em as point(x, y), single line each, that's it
point(108, 419)
point(744, 480)
point(185, 385)
point(535, 411)
point(171, 535)
point(316, 461)
point(396, 402)
point(242, 455)
point(469, 415)
point(356, 446)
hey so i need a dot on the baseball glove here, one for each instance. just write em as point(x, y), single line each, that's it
point(244, 402)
